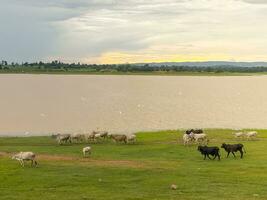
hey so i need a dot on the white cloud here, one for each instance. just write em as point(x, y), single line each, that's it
point(87, 30)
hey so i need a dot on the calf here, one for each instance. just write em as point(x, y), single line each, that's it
point(86, 150)
point(206, 151)
point(231, 148)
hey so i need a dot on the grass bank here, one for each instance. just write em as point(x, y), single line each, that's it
point(144, 170)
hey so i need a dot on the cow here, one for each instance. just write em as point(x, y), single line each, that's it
point(232, 148)
point(86, 150)
point(201, 137)
point(196, 131)
point(63, 138)
point(76, 137)
point(22, 156)
point(251, 134)
point(131, 138)
point(206, 151)
point(239, 134)
point(118, 138)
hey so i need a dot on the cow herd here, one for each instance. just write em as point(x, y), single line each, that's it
point(95, 136)
point(190, 136)
point(198, 136)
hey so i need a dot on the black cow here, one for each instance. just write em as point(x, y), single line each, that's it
point(196, 131)
point(231, 148)
point(206, 151)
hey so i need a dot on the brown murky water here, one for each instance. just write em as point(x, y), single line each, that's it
point(41, 104)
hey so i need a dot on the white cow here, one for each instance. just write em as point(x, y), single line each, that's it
point(97, 137)
point(63, 138)
point(22, 156)
point(199, 137)
point(239, 134)
point(89, 136)
point(86, 150)
point(76, 137)
point(251, 134)
point(131, 138)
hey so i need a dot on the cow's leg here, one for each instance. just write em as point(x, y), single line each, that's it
point(205, 155)
point(219, 158)
point(228, 154)
point(22, 163)
point(241, 152)
point(233, 154)
point(208, 156)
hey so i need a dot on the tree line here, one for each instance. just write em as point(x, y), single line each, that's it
point(65, 67)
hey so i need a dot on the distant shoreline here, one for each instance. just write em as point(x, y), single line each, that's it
point(137, 73)
point(46, 134)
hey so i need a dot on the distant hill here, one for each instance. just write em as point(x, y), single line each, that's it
point(207, 64)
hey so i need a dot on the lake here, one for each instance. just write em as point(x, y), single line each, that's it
point(45, 104)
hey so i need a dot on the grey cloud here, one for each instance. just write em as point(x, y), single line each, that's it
point(74, 30)
point(255, 1)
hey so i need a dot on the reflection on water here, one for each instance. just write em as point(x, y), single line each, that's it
point(51, 103)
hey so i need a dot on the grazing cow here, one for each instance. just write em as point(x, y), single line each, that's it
point(231, 148)
point(119, 138)
point(86, 150)
point(22, 156)
point(76, 137)
point(131, 138)
point(100, 134)
point(97, 135)
point(251, 134)
point(63, 138)
point(91, 136)
point(201, 137)
point(206, 151)
point(239, 134)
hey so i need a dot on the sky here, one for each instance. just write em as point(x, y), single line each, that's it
point(133, 31)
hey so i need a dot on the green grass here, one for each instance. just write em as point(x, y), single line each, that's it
point(144, 170)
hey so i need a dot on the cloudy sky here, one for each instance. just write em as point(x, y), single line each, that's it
point(120, 31)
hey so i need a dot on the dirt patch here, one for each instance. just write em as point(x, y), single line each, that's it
point(93, 162)
point(87, 161)
point(4, 154)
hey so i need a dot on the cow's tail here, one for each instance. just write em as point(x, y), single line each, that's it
point(244, 149)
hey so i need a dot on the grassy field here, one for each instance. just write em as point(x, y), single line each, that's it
point(144, 170)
